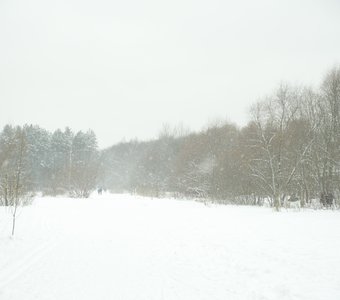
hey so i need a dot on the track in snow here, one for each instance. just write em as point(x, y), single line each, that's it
point(124, 247)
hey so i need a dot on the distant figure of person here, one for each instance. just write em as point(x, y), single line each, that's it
point(327, 199)
point(100, 191)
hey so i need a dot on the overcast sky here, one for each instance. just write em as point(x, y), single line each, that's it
point(123, 68)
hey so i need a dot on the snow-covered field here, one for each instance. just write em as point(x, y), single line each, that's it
point(126, 247)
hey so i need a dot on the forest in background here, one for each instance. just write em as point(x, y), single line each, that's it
point(291, 146)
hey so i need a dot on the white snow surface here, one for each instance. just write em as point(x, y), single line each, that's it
point(129, 247)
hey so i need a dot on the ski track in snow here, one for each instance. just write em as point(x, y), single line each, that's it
point(125, 247)
point(11, 272)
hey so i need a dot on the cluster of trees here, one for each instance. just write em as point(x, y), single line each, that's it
point(35, 160)
point(291, 146)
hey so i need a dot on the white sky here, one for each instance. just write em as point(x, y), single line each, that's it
point(123, 68)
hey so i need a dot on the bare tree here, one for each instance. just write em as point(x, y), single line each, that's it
point(276, 161)
point(330, 116)
point(15, 182)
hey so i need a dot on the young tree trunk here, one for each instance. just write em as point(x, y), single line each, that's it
point(13, 220)
point(17, 196)
point(277, 203)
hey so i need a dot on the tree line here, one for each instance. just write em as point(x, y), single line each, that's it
point(290, 146)
point(35, 160)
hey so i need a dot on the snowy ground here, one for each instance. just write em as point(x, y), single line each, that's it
point(124, 247)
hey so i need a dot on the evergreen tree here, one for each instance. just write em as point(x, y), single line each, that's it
point(84, 164)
